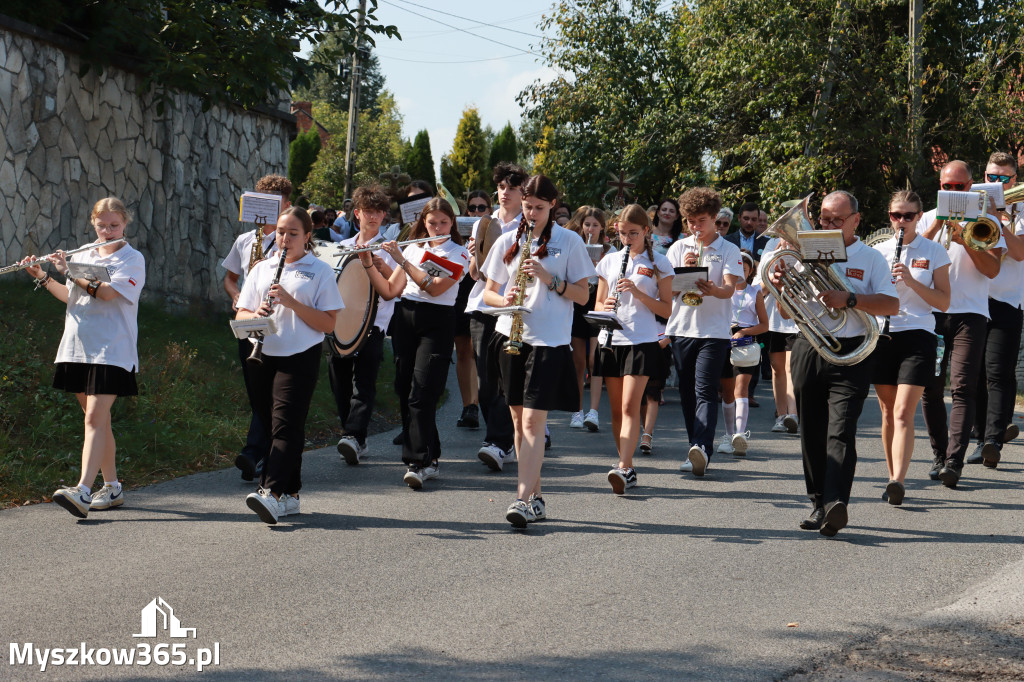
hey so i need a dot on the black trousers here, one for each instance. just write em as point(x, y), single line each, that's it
point(500, 430)
point(284, 389)
point(964, 336)
point(354, 384)
point(423, 336)
point(257, 439)
point(997, 386)
point(829, 400)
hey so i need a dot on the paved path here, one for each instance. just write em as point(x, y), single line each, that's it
point(681, 579)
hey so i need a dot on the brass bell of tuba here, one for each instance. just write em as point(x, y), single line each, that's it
point(801, 288)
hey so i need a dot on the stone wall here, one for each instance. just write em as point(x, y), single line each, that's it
point(67, 141)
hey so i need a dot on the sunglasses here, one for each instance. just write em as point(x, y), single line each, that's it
point(478, 207)
point(995, 177)
point(721, 222)
point(905, 217)
point(954, 186)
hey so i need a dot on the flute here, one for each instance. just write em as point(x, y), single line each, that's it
point(256, 357)
point(35, 261)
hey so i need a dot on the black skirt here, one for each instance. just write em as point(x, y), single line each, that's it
point(581, 329)
point(540, 377)
point(908, 357)
point(90, 379)
point(645, 360)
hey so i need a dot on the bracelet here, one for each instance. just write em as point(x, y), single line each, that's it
point(403, 264)
point(565, 285)
point(91, 288)
point(43, 281)
point(426, 281)
point(367, 267)
point(554, 283)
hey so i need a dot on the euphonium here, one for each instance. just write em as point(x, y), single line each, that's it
point(801, 288)
point(522, 280)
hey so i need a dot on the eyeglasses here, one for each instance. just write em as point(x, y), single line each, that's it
point(834, 222)
point(721, 222)
point(954, 186)
point(905, 217)
point(995, 177)
point(478, 207)
point(629, 235)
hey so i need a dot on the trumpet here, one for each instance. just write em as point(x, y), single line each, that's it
point(694, 298)
point(43, 259)
point(979, 234)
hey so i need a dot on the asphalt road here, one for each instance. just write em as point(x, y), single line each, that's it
point(680, 579)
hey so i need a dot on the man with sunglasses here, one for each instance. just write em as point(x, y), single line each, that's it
point(747, 236)
point(963, 328)
point(997, 385)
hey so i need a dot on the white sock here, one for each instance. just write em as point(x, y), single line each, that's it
point(730, 417)
point(742, 412)
point(116, 485)
point(84, 488)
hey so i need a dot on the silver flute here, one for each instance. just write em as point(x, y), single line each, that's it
point(44, 259)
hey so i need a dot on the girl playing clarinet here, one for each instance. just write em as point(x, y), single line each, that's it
point(540, 377)
point(636, 283)
point(300, 292)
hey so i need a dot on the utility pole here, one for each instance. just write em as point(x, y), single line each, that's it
point(914, 76)
point(353, 102)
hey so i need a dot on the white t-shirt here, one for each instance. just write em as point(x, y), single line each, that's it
point(475, 301)
point(311, 282)
point(868, 273)
point(638, 322)
point(105, 332)
point(237, 260)
point(550, 322)
point(710, 319)
point(416, 255)
point(776, 322)
point(923, 257)
point(344, 229)
point(744, 306)
point(969, 288)
point(385, 309)
point(1008, 285)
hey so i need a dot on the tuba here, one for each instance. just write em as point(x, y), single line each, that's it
point(801, 288)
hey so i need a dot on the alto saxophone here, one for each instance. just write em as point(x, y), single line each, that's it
point(522, 280)
point(256, 253)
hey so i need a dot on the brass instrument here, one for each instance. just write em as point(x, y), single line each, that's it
point(980, 234)
point(256, 252)
point(43, 259)
point(800, 289)
point(256, 357)
point(695, 298)
point(522, 280)
point(1014, 195)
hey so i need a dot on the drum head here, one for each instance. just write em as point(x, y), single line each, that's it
point(355, 321)
point(487, 234)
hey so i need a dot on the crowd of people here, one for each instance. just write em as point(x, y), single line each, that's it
point(621, 299)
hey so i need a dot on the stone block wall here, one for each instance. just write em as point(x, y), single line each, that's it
point(67, 141)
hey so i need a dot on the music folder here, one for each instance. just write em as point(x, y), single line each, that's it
point(256, 326)
point(606, 319)
point(686, 278)
point(89, 271)
point(257, 207)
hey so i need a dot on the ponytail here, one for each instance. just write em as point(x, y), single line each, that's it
point(513, 248)
point(649, 244)
point(542, 240)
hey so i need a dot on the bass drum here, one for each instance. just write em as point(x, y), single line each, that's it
point(355, 322)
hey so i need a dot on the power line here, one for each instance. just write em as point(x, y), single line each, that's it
point(466, 61)
point(479, 23)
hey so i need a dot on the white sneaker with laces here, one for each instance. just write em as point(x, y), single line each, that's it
point(289, 505)
point(739, 443)
point(519, 514)
point(577, 420)
point(699, 459)
point(105, 498)
point(790, 423)
point(687, 465)
point(350, 450)
point(414, 477)
point(779, 427)
point(591, 421)
point(725, 447)
point(430, 471)
point(266, 506)
point(538, 507)
point(74, 500)
point(491, 455)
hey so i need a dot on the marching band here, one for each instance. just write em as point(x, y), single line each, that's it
point(539, 306)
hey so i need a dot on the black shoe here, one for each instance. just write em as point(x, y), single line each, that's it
point(470, 418)
point(1012, 431)
point(399, 439)
point(990, 454)
point(547, 442)
point(933, 473)
point(949, 474)
point(894, 493)
point(975, 457)
point(248, 467)
point(753, 403)
point(814, 521)
point(836, 518)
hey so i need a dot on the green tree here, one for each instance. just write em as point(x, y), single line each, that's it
point(419, 162)
point(302, 152)
point(504, 147)
point(326, 85)
point(466, 165)
point(223, 52)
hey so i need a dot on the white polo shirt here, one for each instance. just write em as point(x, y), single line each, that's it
point(311, 282)
point(237, 260)
point(550, 322)
point(711, 319)
point(638, 322)
point(475, 301)
point(868, 272)
point(922, 257)
point(776, 322)
point(969, 288)
point(449, 250)
point(1008, 285)
point(744, 306)
point(385, 309)
point(101, 332)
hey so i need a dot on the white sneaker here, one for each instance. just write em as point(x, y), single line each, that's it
point(790, 423)
point(779, 426)
point(538, 507)
point(577, 420)
point(491, 455)
point(591, 421)
point(105, 498)
point(739, 444)
point(520, 513)
point(265, 505)
point(289, 505)
point(430, 471)
point(699, 459)
point(350, 450)
point(725, 447)
point(687, 465)
point(74, 500)
point(414, 477)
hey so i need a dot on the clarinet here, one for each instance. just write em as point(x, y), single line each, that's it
point(256, 357)
point(895, 260)
point(622, 273)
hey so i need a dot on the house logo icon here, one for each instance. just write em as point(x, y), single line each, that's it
point(158, 616)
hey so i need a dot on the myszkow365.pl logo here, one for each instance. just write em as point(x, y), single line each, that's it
point(158, 622)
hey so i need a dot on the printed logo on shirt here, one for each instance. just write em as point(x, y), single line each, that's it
point(131, 280)
point(303, 274)
point(645, 272)
point(554, 251)
point(855, 273)
point(920, 263)
point(713, 258)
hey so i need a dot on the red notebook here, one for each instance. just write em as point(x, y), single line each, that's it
point(436, 266)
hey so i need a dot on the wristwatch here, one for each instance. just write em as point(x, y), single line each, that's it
point(851, 301)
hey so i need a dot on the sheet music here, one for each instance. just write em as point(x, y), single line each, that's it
point(256, 206)
point(994, 190)
point(685, 279)
point(89, 271)
point(411, 207)
point(958, 206)
point(822, 245)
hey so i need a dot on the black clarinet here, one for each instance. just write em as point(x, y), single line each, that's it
point(256, 357)
point(622, 273)
point(895, 260)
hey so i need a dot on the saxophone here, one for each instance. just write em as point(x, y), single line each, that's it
point(256, 253)
point(522, 280)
